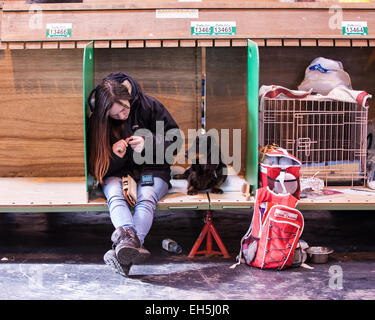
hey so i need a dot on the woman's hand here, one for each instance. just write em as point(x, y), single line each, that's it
point(137, 143)
point(119, 148)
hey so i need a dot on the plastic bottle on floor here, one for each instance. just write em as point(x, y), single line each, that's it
point(171, 246)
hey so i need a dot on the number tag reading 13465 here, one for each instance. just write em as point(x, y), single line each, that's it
point(210, 28)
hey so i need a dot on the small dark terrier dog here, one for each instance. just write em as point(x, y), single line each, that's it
point(208, 175)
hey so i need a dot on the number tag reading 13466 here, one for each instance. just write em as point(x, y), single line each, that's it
point(57, 30)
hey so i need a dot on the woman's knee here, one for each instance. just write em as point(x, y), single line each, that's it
point(147, 196)
point(113, 192)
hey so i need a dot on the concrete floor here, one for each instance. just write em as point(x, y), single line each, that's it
point(59, 256)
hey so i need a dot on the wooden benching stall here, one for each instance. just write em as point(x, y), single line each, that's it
point(45, 80)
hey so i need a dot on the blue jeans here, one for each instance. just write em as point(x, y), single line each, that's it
point(142, 217)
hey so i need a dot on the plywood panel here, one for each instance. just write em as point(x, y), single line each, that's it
point(105, 21)
point(226, 92)
point(41, 122)
point(168, 74)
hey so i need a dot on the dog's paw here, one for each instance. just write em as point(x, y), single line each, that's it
point(217, 191)
point(192, 192)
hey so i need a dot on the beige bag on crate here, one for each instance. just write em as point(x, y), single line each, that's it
point(129, 187)
point(323, 75)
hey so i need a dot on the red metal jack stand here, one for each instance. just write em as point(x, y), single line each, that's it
point(210, 231)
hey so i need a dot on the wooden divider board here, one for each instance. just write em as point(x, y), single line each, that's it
point(168, 74)
point(226, 94)
point(41, 122)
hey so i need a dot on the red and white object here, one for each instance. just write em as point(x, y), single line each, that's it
point(280, 170)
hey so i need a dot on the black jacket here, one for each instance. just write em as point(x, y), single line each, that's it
point(144, 112)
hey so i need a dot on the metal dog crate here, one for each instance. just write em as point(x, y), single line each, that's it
point(329, 137)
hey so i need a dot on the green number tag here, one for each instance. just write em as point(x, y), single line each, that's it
point(354, 28)
point(212, 28)
point(59, 30)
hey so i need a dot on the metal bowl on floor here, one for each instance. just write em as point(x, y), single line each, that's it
point(319, 254)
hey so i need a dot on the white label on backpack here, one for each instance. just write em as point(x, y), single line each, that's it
point(285, 214)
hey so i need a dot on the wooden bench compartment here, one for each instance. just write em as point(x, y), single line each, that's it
point(44, 105)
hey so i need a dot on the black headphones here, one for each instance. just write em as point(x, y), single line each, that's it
point(91, 99)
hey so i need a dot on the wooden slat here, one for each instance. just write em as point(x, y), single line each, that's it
point(81, 44)
point(325, 43)
point(16, 45)
point(33, 45)
point(170, 43)
point(135, 43)
point(342, 43)
point(222, 42)
point(187, 43)
point(153, 43)
point(372, 43)
point(308, 43)
point(291, 42)
point(205, 43)
point(274, 42)
point(50, 45)
point(119, 44)
point(240, 42)
point(67, 44)
point(260, 42)
point(101, 44)
point(359, 43)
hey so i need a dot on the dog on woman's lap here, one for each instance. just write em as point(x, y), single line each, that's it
point(204, 173)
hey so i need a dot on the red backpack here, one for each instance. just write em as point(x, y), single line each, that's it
point(274, 232)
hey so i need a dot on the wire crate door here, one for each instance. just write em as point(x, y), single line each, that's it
point(330, 143)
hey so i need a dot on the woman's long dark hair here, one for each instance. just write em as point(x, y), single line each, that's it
point(101, 127)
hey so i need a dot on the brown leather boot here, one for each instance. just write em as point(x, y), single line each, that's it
point(110, 259)
point(126, 244)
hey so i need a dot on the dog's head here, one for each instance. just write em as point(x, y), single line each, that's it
point(204, 151)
